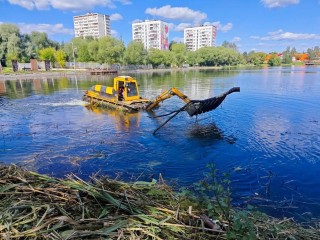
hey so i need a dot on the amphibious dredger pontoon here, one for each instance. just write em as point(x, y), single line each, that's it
point(124, 95)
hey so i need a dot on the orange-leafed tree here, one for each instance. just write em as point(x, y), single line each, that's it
point(301, 56)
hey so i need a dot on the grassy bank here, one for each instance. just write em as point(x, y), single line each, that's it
point(10, 75)
point(34, 206)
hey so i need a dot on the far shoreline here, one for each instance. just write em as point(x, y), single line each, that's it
point(77, 72)
point(59, 72)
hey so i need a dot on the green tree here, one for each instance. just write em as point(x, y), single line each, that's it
point(93, 49)
point(60, 57)
point(179, 53)
point(110, 50)
point(168, 58)
point(228, 56)
point(287, 56)
point(227, 44)
point(245, 57)
point(172, 43)
point(29, 49)
point(157, 57)
point(135, 53)
point(191, 58)
point(314, 53)
point(82, 53)
point(274, 60)
point(10, 42)
point(40, 40)
point(206, 57)
point(293, 51)
point(47, 54)
point(317, 52)
point(35, 41)
point(218, 56)
point(81, 50)
point(13, 48)
point(256, 58)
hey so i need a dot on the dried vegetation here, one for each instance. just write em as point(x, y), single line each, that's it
point(34, 206)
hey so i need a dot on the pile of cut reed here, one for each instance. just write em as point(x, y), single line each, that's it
point(35, 206)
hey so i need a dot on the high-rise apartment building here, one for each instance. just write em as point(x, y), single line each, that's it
point(153, 34)
point(92, 24)
point(198, 37)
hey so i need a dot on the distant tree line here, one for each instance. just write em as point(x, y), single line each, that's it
point(23, 47)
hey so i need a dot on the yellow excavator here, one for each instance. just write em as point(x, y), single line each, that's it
point(124, 95)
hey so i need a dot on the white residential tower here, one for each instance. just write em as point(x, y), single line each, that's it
point(153, 34)
point(198, 37)
point(92, 24)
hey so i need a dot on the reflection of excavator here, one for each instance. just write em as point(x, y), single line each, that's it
point(123, 121)
point(125, 96)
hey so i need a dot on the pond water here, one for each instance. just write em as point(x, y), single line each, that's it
point(267, 136)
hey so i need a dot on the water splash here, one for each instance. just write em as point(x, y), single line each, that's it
point(72, 102)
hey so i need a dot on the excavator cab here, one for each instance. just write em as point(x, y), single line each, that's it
point(127, 88)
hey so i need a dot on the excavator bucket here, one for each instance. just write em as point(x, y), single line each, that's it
point(195, 107)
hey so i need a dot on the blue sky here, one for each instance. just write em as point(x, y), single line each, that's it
point(259, 25)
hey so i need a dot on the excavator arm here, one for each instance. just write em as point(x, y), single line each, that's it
point(192, 107)
point(167, 94)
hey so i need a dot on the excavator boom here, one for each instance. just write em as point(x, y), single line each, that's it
point(168, 94)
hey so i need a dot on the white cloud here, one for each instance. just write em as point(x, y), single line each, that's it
point(281, 35)
point(50, 29)
point(65, 4)
point(25, 4)
point(182, 26)
point(220, 27)
point(278, 3)
point(114, 33)
point(115, 17)
point(136, 21)
point(177, 13)
point(125, 2)
point(236, 39)
point(171, 26)
point(225, 28)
